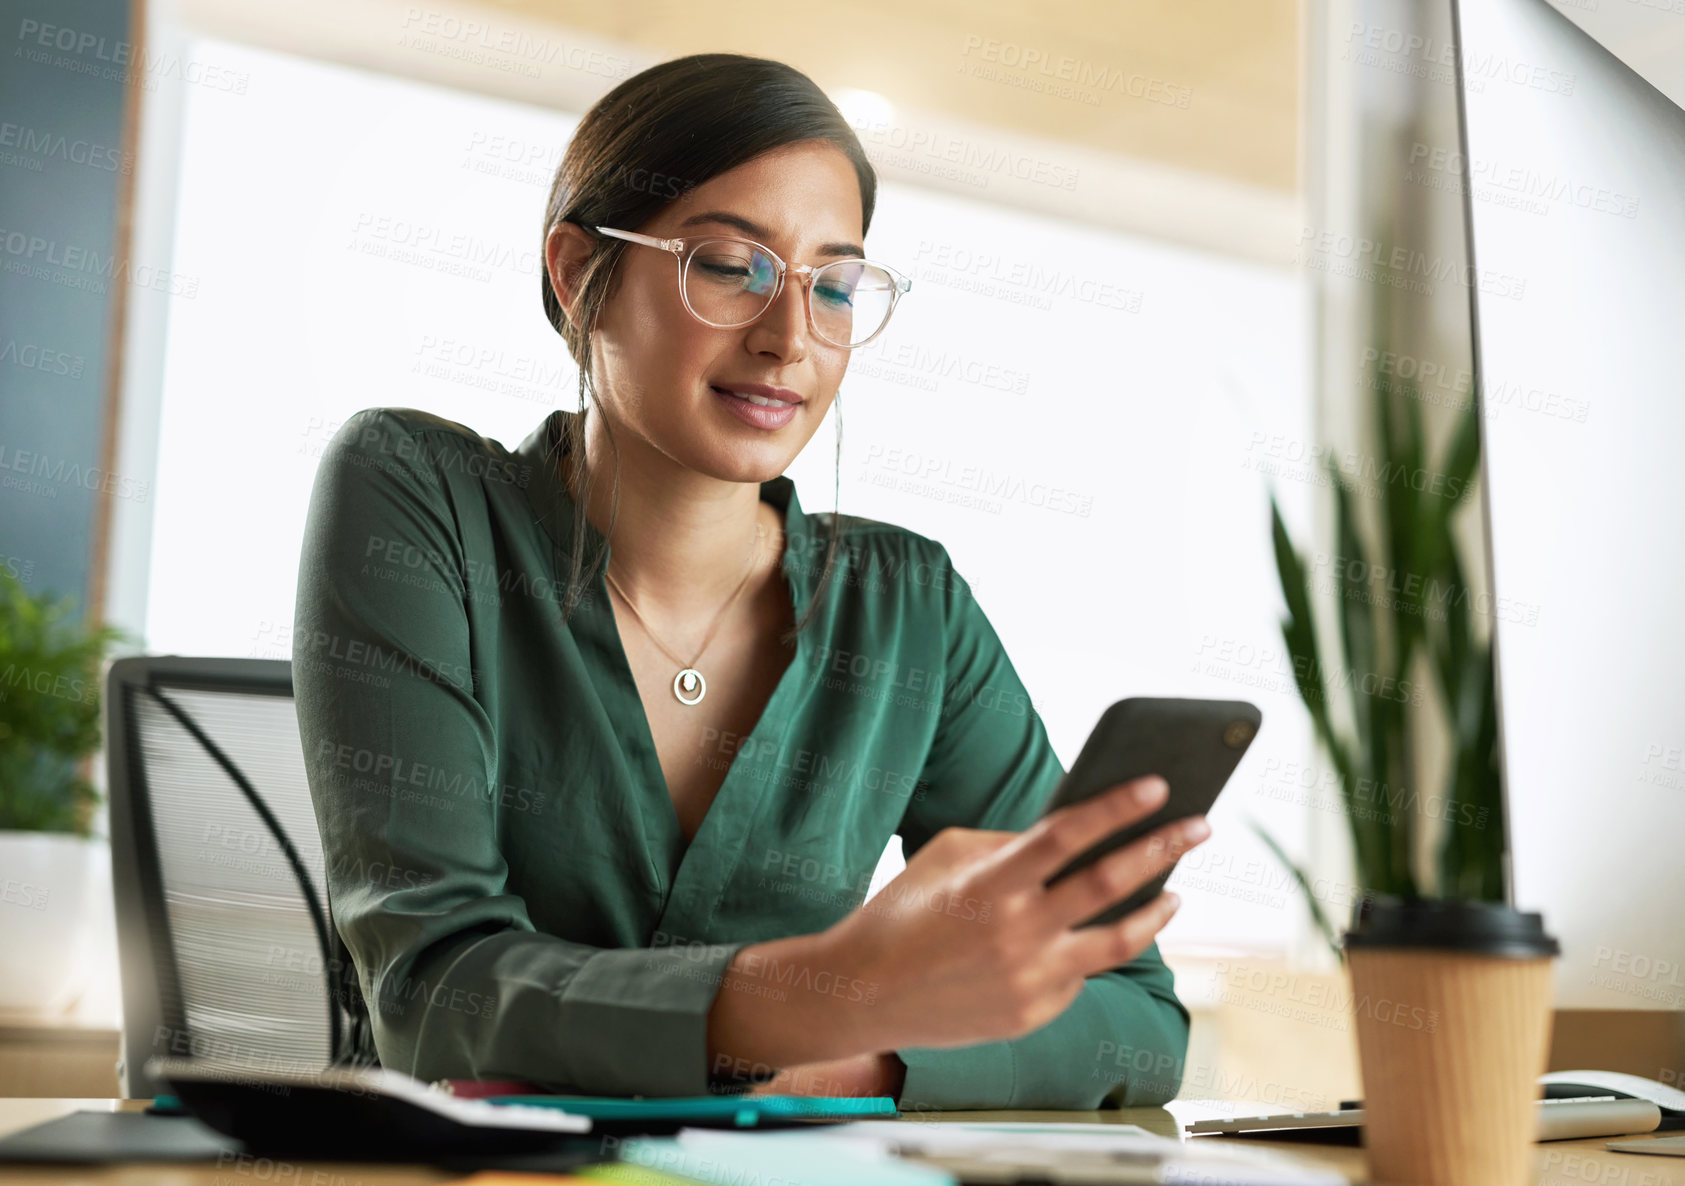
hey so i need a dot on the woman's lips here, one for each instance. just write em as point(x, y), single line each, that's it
point(753, 414)
point(761, 391)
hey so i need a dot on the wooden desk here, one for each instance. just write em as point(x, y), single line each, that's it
point(59, 1056)
point(1560, 1163)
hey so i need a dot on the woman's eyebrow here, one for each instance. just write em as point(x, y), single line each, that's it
point(760, 232)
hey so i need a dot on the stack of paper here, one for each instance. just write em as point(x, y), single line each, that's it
point(905, 1153)
point(785, 1158)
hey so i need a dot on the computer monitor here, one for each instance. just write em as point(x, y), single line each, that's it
point(1576, 171)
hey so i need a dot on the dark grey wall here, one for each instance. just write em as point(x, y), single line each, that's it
point(67, 67)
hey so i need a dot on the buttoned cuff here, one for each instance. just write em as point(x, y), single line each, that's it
point(965, 1077)
point(636, 1019)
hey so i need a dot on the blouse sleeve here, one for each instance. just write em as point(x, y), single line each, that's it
point(459, 983)
point(1123, 1040)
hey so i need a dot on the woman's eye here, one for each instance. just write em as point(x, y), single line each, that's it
point(724, 270)
point(837, 294)
point(751, 274)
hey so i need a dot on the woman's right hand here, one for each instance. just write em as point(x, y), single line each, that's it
point(968, 944)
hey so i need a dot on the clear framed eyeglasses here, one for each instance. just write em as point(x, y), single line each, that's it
point(728, 282)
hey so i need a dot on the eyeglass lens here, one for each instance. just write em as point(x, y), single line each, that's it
point(730, 283)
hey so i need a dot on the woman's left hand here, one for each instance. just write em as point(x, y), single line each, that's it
point(864, 1074)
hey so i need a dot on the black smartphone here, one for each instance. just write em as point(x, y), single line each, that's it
point(1194, 745)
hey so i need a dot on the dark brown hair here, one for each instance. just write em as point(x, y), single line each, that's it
point(652, 138)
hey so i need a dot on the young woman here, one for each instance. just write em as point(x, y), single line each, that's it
point(606, 735)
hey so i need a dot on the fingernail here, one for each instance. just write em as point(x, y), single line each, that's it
point(1195, 829)
point(1175, 901)
point(1151, 790)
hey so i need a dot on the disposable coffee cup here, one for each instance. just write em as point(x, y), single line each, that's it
point(1452, 1006)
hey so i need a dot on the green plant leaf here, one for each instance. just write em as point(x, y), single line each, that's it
point(1291, 572)
point(1435, 549)
point(1478, 846)
point(1357, 617)
point(1370, 831)
point(1299, 635)
point(50, 670)
point(1456, 630)
point(1298, 632)
point(1462, 455)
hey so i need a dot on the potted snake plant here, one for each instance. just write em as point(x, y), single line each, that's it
point(1418, 628)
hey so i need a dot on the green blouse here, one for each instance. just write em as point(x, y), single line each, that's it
point(504, 863)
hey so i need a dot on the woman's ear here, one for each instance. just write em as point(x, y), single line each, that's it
point(566, 248)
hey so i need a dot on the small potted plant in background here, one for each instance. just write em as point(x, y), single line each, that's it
point(50, 670)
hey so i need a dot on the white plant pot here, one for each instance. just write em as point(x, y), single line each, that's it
point(46, 920)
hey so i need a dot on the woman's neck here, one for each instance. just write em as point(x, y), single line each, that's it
point(682, 541)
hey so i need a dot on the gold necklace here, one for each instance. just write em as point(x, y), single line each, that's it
point(689, 679)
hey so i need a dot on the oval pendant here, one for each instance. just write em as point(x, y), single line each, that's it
point(689, 680)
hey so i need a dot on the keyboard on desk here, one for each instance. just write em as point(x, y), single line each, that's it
point(1559, 1120)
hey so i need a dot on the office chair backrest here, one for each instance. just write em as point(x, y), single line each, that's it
point(217, 868)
